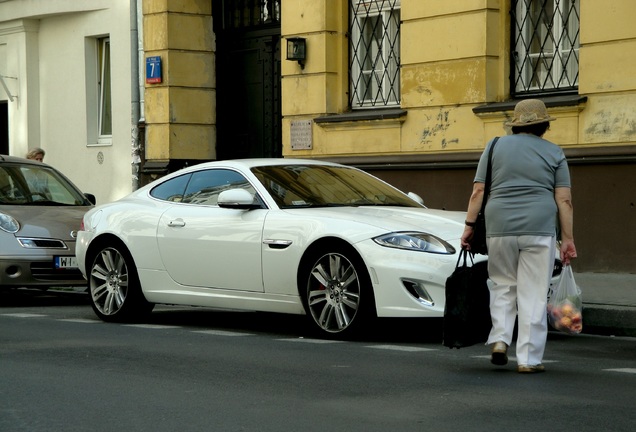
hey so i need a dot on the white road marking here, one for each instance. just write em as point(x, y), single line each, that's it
point(401, 348)
point(24, 315)
point(222, 333)
point(80, 320)
point(623, 370)
point(514, 359)
point(151, 326)
point(313, 341)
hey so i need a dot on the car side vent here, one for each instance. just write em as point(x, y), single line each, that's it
point(417, 290)
point(33, 243)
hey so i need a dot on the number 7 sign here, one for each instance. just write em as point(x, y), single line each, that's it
point(153, 70)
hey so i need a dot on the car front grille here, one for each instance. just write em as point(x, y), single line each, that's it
point(47, 272)
point(42, 243)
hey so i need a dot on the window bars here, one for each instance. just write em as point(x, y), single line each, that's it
point(244, 14)
point(374, 53)
point(545, 46)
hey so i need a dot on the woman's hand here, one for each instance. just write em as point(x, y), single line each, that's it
point(568, 251)
point(467, 236)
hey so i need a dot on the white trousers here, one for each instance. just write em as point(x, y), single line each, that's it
point(520, 269)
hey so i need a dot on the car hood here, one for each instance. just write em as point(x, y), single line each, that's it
point(447, 225)
point(47, 221)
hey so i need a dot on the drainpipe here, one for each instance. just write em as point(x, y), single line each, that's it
point(137, 88)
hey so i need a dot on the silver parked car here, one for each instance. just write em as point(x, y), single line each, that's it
point(40, 213)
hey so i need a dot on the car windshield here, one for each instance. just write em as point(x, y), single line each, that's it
point(294, 186)
point(36, 185)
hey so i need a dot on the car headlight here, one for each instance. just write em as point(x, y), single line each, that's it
point(416, 241)
point(8, 223)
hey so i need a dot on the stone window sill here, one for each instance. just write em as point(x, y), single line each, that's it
point(390, 114)
point(574, 101)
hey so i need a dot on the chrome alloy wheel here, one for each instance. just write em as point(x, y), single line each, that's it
point(333, 292)
point(109, 281)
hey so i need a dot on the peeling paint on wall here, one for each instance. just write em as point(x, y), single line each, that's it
point(445, 142)
point(611, 122)
point(442, 123)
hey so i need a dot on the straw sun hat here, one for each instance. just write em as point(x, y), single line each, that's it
point(530, 112)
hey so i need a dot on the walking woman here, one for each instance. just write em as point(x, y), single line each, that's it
point(529, 196)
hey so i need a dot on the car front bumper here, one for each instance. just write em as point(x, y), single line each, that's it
point(41, 272)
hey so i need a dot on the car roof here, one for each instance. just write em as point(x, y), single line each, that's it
point(238, 164)
point(254, 162)
point(20, 160)
point(247, 164)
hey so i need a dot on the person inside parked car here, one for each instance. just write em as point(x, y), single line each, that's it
point(36, 154)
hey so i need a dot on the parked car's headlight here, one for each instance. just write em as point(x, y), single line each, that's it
point(416, 241)
point(8, 223)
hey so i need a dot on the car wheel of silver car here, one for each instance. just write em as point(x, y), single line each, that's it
point(338, 293)
point(114, 287)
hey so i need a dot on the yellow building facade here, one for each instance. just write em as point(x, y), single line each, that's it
point(181, 109)
point(455, 92)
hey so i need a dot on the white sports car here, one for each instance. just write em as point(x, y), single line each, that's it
point(277, 235)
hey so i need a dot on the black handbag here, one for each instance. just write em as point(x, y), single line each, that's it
point(467, 310)
point(478, 241)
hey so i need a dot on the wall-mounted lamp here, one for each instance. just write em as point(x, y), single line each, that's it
point(297, 50)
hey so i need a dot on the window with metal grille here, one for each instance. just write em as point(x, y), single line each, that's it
point(374, 53)
point(545, 45)
point(244, 14)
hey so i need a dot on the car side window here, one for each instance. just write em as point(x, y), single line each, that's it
point(205, 186)
point(171, 190)
point(9, 193)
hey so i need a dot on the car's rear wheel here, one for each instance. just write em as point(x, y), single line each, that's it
point(114, 287)
point(337, 292)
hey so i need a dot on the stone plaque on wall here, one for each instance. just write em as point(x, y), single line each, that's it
point(301, 138)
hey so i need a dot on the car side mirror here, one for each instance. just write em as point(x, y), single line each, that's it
point(90, 197)
point(237, 199)
point(415, 197)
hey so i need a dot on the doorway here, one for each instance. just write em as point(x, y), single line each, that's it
point(4, 127)
point(248, 78)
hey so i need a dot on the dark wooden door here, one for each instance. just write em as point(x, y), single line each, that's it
point(248, 79)
point(4, 127)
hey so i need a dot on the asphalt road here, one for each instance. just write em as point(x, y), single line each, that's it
point(194, 369)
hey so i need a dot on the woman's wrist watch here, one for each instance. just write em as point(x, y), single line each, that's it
point(470, 224)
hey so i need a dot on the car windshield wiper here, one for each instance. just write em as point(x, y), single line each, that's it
point(45, 203)
point(378, 204)
point(316, 205)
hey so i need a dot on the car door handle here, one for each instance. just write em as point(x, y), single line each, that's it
point(277, 244)
point(177, 223)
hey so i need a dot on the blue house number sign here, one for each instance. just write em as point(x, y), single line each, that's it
point(153, 70)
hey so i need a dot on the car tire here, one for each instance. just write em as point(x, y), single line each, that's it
point(336, 291)
point(114, 288)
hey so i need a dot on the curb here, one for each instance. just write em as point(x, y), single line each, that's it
point(609, 320)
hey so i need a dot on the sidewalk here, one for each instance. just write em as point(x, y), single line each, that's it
point(609, 303)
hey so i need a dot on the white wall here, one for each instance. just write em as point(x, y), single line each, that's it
point(51, 64)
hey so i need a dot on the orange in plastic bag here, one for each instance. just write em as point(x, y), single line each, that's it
point(565, 305)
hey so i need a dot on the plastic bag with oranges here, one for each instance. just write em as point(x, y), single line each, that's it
point(565, 305)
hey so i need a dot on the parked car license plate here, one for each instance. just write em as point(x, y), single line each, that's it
point(65, 262)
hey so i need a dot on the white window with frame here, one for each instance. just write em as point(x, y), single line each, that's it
point(374, 53)
point(105, 117)
point(546, 46)
point(99, 124)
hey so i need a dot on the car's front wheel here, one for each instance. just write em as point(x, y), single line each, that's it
point(337, 292)
point(114, 287)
